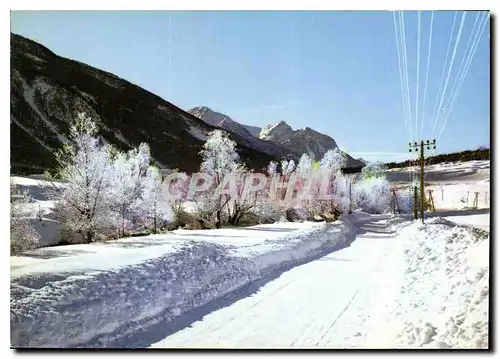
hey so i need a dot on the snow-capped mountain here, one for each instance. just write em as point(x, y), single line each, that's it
point(277, 139)
point(278, 132)
point(48, 90)
point(225, 122)
point(304, 140)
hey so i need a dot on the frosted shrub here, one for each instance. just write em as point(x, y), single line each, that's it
point(405, 199)
point(373, 170)
point(153, 209)
point(127, 182)
point(22, 235)
point(372, 195)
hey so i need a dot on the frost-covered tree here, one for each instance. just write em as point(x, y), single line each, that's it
point(127, 181)
point(333, 160)
point(290, 168)
point(271, 168)
point(373, 170)
point(154, 206)
point(330, 166)
point(373, 195)
point(219, 155)
point(252, 191)
point(304, 180)
point(175, 189)
point(85, 167)
point(219, 159)
point(304, 167)
point(22, 235)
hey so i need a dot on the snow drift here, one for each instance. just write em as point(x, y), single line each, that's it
point(90, 305)
point(443, 292)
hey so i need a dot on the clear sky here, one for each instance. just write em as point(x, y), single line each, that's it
point(334, 71)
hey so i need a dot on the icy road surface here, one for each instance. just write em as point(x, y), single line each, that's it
point(327, 303)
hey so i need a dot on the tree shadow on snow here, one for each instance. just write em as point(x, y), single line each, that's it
point(208, 236)
point(333, 259)
point(274, 229)
point(49, 253)
point(156, 332)
point(463, 212)
point(129, 244)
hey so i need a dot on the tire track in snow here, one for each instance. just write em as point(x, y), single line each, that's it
point(303, 307)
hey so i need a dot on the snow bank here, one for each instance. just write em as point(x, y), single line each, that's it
point(443, 301)
point(461, 195)
point(94, 295)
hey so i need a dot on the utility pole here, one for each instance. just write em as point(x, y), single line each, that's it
point(415, 201)
point(415, 147)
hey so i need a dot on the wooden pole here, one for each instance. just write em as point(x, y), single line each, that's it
point(415, 201)
point(350, 197)
point(414, 146)
point(396, 201)
point(431, 201)
point(422, 193)
point(393, 206)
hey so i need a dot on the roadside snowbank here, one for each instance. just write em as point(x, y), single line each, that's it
point(443, 300)
point(40, 208)
point(93, 295)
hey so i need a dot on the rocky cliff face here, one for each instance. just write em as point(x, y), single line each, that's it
point(278, 139)
point(310, 141)
point(226, 123)
point(304, 140)
point(219, 120)
point(47, 91)
point(279, 132)
point(254, 130)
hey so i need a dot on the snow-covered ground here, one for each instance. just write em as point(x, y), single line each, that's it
point(39, 190)
point(444, 290)
point(454, 189)
point(96, 295)
point(443, 172)
point(424, 287)
point(40, 208)
point(366, 281)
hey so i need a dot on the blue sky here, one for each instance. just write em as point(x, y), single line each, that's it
point(334, 71)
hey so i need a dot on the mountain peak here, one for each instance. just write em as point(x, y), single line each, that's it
point(277, 132)
point(225, 122)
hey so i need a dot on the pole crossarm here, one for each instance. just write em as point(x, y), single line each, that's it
point(416, 146)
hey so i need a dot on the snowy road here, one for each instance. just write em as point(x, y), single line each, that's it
point(328, 303)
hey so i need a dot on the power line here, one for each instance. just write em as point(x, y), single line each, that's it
point(406, 77)
point(435, 111)
point(405, 117)
point(405, 61)
point(451, 63)
point(427, 74)
point(404, 96)
point(418, 71)
point(467, 53)
point(462, 79)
